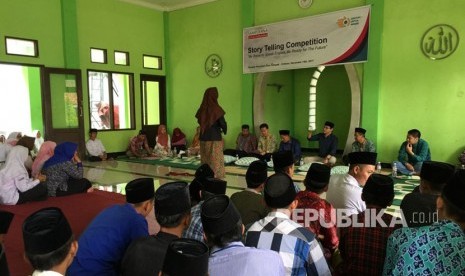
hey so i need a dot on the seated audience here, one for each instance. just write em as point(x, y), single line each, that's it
point(46, 151)
point(283, 162)
point(105, 240)
point(186, 257)
point(345, 190)
point(145, 256)
point(437, 249)
point(4, 150)
point(39, 140)
point(327, 145)
point(138, 146)
point(27, 142)
point(298, 247)
point(2, 137)
point(178, 140)
point(361, 143)
point(210, 187)
point(162, 142)
point(15, 135)
point(291, 144)
point(246, 142)
point(194, 148)
point(266, 142)
point(15, 185)
point(419, 206)
point(64, 172)
point(316, 183)
point(203, 172)
point(49, 242)
point(363, 245)
point(250, 202)
point(223, 231)
point(412, 153)
point(5, 221)
point(95, 149)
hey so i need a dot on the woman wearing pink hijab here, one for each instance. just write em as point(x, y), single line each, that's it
point(45, 152)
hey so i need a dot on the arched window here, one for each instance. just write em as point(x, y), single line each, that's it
point(312, 98)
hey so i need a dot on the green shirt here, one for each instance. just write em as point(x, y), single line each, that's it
point(421, 153)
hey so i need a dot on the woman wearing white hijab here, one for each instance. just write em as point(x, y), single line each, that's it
point(38, 142)
point(15, 185)
point(13, 138)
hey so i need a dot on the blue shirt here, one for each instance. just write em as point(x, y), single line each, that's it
point(236, 259)
point(104, 242)
point(292, 145)
point(327, 145)
point(420, 149)
point(438, 249)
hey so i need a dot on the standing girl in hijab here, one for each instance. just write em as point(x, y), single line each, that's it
point(15, 185)
point(65, 173)
point(178, 141)
point(38, 141)
point(210, 117)
point(46, 151)
point(163, 142)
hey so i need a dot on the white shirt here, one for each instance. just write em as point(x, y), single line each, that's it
point(14, 176)
point(46, 273)
point(95, 147)
point(344, 192)
point(236, 259)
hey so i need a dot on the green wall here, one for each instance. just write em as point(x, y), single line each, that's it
point(35, 97)
point(401, 88)
point(116, 25)
point(195, 33)
point(417, 92)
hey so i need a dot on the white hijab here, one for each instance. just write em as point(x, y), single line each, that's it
point(14, 165)
point(39, 141)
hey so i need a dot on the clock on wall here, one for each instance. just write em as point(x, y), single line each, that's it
point(213, 65)
point(305, 3)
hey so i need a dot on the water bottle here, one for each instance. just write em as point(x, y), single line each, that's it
point(378, 167)
point(237, 156)
point(301, 162)
point(174, 153)
point(394, 169)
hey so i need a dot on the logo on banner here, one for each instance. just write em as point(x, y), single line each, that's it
point(439, 41)
point(343, 22)
point(259, 33)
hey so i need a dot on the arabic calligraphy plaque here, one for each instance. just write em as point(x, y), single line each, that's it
point(439, 41)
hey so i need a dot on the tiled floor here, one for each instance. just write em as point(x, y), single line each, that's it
point(113, 175)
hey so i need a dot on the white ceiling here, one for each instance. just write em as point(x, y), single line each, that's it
point(167, 5)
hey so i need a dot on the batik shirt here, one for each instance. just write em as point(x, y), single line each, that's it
point(246, 143)
point(438, 249)
point(266, 144)
point(368, 146)
point(300, 251)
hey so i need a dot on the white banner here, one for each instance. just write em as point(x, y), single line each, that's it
point(332, 38)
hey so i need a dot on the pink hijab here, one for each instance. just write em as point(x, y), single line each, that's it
point(46, 151)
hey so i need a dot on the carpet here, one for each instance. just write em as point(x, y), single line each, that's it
point(79, 209)
point(402, 185)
